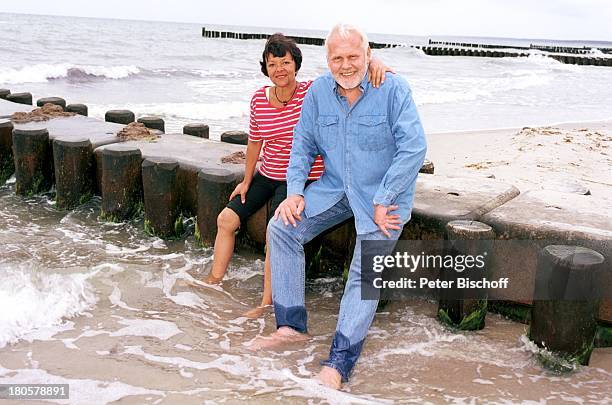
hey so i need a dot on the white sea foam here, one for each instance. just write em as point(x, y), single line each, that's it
point(31, 301)
point(115, 298)
point(162, 330)
point(43, 72)
point(222, 110)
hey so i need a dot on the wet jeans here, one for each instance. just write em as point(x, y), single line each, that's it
point(288, 282)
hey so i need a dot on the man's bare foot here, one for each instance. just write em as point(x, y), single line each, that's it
point(257, 312)
point(283, 336)
point(329, 377)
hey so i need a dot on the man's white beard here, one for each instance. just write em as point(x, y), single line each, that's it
point(353, 82)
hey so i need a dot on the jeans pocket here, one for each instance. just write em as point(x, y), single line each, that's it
point(374, 133)
point(328, 131)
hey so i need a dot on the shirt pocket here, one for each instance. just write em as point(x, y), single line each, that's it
point(374, 132)
point(328, 131)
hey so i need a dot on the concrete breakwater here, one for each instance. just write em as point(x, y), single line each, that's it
point(568, 55)
point(178, 175)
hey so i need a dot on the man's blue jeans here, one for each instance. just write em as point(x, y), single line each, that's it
point(288, 283)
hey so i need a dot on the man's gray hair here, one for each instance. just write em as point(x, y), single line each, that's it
point(344, 31)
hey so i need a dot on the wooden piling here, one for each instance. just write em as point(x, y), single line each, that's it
point(235, 137)
point(74, 172)
point(121, 184)
point(33, 161)
point(21, 98)
point(199, 130)
point(80, 109)
point(153, 123)
point(461, 308)
point(119, 116)
point(566, 304)
point(161, 198)
point(7, 164)
point(51, 100)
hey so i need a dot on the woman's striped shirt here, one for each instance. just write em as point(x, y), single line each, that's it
point(274, 126)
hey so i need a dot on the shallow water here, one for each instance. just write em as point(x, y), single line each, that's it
point(111, 311)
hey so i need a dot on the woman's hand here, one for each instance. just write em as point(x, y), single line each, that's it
point(376, 72)
point(241, 189)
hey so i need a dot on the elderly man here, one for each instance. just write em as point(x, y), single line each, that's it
point(373, 145)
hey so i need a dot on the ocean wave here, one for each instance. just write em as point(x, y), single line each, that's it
point(544, 61)
point(41, 73)
point(33, 300)
point(219, 74)
point(454, 90)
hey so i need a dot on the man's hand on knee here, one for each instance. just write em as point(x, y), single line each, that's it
point(385, 220)
point(290, 209)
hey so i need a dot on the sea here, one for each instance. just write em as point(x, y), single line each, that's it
point(112, 312)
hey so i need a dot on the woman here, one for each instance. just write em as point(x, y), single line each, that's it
point(275, 110)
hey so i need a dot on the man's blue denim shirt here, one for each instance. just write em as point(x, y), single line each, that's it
point(373, 150)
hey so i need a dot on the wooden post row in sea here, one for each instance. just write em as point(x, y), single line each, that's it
point(450, 48)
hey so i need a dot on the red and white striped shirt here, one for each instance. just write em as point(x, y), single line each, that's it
point(274, 126)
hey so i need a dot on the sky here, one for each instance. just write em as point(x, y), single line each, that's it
point(545, 19)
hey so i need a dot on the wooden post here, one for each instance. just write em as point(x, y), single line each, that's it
point(460, 308)
point(21, 98)
point(80, 109)
point(199, 130)
point(74, 172)
point(119, 116)
point(153, 123)
point(161, 198)
point(566, 302)
point(235, 137)
point(121, 185)
point(33, 161)
point(51, 100)
point(7, 163)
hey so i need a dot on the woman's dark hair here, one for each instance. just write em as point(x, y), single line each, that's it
point(278, 45)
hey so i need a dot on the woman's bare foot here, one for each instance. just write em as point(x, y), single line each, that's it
point(329, 377)
point(283, 336)
point(211, 279)
point(257, 312)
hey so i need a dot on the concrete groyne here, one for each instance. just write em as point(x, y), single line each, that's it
point(174, 176)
